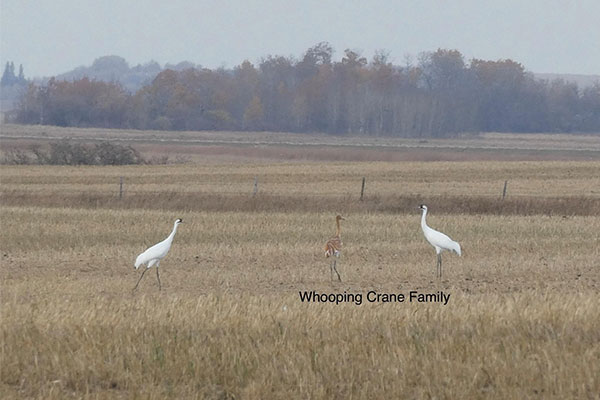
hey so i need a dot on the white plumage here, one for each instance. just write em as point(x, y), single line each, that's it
point(438, 240)
point(153, 255)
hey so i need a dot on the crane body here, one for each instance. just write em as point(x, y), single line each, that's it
point(333, 248)
point(438, 240)
point(154, 254)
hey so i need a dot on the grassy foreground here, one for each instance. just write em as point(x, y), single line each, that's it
point(534, 344)
point(521, 322)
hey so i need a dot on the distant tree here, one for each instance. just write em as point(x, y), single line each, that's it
point(589, 117)
point(438, 96)
point(442, 69)
point(21, 77)
point(347, 108)
point(8, 77)
point(80, 103)
point(277, 88)
point(245, 85)
point(191, 99)
point(563, 105)
point(500, 84)
point(254, 114)
point(313, 83)
point(449, 93)
point(383, 87)
point(319, 54)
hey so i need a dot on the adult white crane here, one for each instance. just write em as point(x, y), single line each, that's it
point(153, 255)
point(333, 247)
point(438, 240)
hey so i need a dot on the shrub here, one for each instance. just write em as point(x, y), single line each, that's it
point(66, 153)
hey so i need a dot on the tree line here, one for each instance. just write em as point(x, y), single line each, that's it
point(12, 86)
point(438, 95)
point(9, 78)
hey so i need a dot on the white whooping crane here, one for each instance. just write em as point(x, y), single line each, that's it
point(438, 240)
point(153, 255)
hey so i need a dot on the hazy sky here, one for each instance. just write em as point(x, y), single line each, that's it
point(50, 37)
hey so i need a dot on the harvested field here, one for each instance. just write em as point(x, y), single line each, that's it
point(521, 319)
point(551, 188)
point(238, 147)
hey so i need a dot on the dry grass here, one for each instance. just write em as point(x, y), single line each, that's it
point(542, 179)
point(522, 320)
point(564, 206)
point(524, 346)
point(551, 188)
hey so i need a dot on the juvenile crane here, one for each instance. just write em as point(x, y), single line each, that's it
point(333, 247)
point(438, 240)
point(153, 255)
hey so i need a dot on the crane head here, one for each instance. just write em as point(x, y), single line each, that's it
point(178, 221)
point(339, 217)
point(423, 207)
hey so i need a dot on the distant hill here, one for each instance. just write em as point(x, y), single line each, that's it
point(116, 69)
point(582, 81)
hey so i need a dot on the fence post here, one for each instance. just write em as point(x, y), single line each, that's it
point(121, 188)
point(504, 190)
point(255, 186)
point(362, 189)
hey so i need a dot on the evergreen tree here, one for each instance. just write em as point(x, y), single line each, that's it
point(21, 78)
point(8, 77)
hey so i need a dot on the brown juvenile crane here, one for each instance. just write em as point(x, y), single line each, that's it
point(333, 248)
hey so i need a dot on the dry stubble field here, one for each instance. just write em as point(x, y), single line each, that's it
point(522, 320)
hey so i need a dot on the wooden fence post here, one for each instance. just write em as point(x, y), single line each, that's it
point(362, 189)
point(121, 188)
point(255, 186)
point(504, 190)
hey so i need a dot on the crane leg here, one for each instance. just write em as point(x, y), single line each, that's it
point(440, 266)
point(336, 271)
point(138, 282)
point(158, 277)
point(331, 268)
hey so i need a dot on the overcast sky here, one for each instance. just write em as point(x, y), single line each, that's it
point(50, 37)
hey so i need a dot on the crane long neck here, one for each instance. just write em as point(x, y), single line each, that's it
point(172, 235)
point(337, 230)
point(423, 223)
